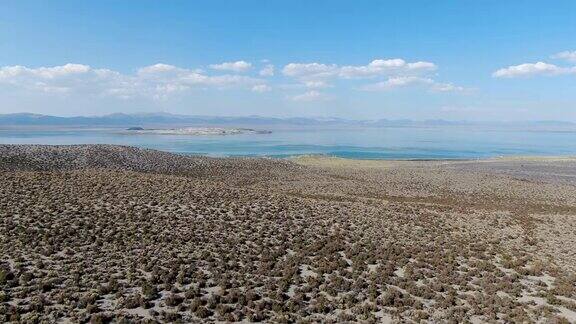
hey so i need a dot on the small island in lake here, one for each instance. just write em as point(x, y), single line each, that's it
point(196, 131)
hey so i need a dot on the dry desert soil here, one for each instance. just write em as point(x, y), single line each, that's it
point(98, 233)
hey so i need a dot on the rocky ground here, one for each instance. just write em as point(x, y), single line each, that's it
point(109, 233)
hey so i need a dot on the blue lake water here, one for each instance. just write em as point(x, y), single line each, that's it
point(453, 142)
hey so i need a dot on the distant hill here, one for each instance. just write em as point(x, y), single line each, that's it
point(166, 119)
point(131, 120)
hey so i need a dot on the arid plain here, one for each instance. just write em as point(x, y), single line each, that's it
point(109, 233)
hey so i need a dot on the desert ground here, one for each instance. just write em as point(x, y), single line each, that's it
point(101, 233)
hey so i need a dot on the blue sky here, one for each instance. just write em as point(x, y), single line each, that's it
point(476, 60)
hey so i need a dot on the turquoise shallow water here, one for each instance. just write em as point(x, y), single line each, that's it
point(453, 142)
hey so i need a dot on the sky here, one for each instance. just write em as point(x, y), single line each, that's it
point(454, 60)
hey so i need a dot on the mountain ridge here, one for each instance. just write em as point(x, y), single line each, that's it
point(162, 118)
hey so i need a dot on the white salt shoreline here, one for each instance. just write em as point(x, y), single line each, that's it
point(197, 131)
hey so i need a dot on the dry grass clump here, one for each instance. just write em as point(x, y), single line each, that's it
point(170, 238)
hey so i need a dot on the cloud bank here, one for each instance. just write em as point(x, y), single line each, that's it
point(385, 75)
point(157, 81)
point(160, 81)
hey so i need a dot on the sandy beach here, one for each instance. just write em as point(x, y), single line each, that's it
point(108, 233)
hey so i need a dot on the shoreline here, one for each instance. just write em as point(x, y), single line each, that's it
point(322, 156)
point(326, 160)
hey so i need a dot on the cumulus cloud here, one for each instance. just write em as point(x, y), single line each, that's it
point(569, 56)
point(161, 81)
point(310, 71)
point(238, 66)
point(61, 79)
point(315, 71)
point(46, 73)
point(267, 71)
point(312, 95)
point(158, 68)
point(157, 81)
point(532, 69)
point(386, 67)
point(393, 73)
point(539, 68)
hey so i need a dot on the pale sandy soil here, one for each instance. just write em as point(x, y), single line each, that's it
point(106, 233)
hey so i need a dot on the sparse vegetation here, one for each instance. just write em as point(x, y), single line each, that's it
point(140, 237)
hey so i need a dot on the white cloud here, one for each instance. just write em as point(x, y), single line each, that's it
point(311, 95)
point(156, 81)
point(238, 66)
point(448, 87)
point(310, 71)
point(46, 73)
point(315, 71)
point(160, 81)
point(267, 71)
point(532, 69)
point(57, 71)
point(261, 88)
point(158, 68)
point(421, 66)
point(566, 55)
point(61, 79)
point(413, 81)
point(395, 73)
point(539, 68)
point(398, 82)
point(387, 67)
point(219, 81)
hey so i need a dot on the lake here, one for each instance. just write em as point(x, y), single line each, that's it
point(446, 142)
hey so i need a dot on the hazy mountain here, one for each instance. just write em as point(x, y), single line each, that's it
point(120, 119)
point(166, 119)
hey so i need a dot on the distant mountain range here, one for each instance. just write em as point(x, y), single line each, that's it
point(166, 119)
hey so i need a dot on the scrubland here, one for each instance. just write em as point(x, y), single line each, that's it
point(109, 233)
